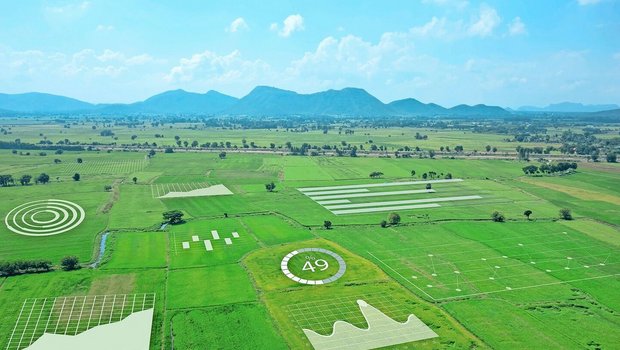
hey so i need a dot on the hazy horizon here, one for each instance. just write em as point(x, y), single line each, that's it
point(448, 52)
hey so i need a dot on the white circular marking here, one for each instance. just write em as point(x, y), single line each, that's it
point(341, 269)
point(67, 216)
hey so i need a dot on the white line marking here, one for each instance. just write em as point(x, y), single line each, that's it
point(355, 190)
point(379, 209)
point(208, 245)
point(409, 201)
point(383, 184)
point(371, 194)
point(335, 201)
point(215, 234)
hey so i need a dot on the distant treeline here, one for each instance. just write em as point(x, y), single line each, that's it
point(32, 146)
point(20, 267)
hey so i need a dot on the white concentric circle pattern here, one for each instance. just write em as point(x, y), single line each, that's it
point(27, 219)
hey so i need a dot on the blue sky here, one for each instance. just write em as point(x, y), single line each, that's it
point(507, 53)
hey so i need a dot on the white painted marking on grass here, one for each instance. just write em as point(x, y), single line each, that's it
point(383, 184)
point(380, 209)
point(208, 245)
point(185, 245)
point(235, 234)
point(409, 201)
point(228, 241)
point(215, 234)
point(335, 201)
point(371, 194)
point(195, 238)
point(319, 193)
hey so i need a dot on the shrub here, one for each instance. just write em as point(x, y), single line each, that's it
point(394, 219)
point(498, 217)
point(69, 263)
point(566, 214)
point(384, 223)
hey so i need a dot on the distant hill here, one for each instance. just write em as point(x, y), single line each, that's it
point(265, 100)
point(181, 101)
point(569, 107)
point(411, 106)
point(36, 102)
point(261, 101)
point(479, 110)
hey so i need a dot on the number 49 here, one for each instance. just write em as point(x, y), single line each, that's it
point(319, 263)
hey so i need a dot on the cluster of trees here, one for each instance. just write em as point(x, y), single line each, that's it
point(270, 187)
point(497, 216)
point(375, 174)
point(549, 168)
point(19, 267)
point(24, 180)
point(173, 217)
point(392, 219)
point(24, 266)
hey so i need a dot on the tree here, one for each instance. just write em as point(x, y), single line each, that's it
point(394, 219)
point(270, 186)
point(43, 178)
point(566, 214)
point(80, 161)
point(375, 174)
point(498, 217)
point(173, 217)
point(6, 180)
point(429, 186)
point(530, 169)
point(107, 188)
point(488, 148)
point(135, 180)
point(412, 173)
point(222, 155)
point(25, 180)
point(448, 176)
point(383, 223)
point(612, 158)
point(168, 150)
point(431, 153)
point(69, 263)
point(527, 213)
point(76, 177)
point(327, 224)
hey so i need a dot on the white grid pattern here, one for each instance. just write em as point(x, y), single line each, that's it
point(73, 315)
point(158, 190)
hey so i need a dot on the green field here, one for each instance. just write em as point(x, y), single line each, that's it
point(537, 282)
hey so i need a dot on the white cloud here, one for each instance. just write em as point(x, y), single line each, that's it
point(105, 28)
point(436, 27)
point(70, 10)
point(291, 24)
point(486, 22)
point(237, 25)
point(209, 67)
point(588, 2)
point(517, 27)
point(459, 4)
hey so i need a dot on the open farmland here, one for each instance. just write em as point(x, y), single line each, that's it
point(446, 263)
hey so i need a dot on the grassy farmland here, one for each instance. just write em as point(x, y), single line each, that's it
point(524, 283)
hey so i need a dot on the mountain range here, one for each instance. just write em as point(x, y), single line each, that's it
point(261, 101)
point(569, 107)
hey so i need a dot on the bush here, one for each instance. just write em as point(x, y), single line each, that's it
point(566, 214)
point(173, 217)
point(327, 224)
point(383, 223)
point(498, 217)
point(394, 219)
point(24, 266)
point(70, 263)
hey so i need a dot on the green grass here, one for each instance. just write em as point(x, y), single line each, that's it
point(272, 230)
point(130, 250)
point(240, 326)
point(208, 286)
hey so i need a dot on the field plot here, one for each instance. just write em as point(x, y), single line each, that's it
point(519, 260)
point(103, 167)
point(161, 189)
point(210, 242)
point(327, 323)
point(355, 199)
point(73, 315)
